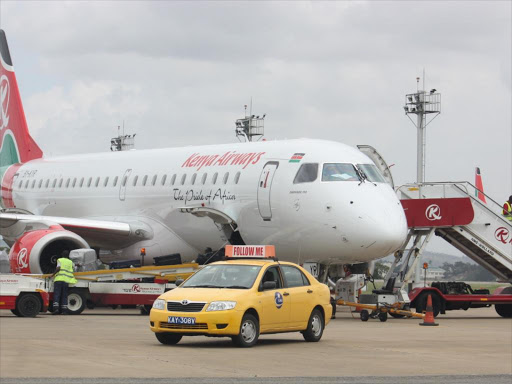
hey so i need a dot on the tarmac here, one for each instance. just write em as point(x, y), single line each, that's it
point(111, 346)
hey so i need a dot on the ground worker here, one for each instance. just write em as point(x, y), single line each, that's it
point(63, 277)
point(507, 209)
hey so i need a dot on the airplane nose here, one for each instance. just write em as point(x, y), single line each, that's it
point(389, 224)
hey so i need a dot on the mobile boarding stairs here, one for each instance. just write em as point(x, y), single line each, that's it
point(453, 212)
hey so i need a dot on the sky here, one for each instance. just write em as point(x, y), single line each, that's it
point(179, 73)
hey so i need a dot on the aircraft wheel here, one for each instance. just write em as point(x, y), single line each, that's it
point(365, 315)
point(383, 316)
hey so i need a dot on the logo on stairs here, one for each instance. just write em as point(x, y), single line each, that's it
point(502, 234)
point(433, 212)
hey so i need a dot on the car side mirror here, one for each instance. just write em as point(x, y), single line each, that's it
point(269, 285)
point(178, 282)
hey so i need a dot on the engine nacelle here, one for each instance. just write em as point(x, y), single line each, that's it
point(37, 251)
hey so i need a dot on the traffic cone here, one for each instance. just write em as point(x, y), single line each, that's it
point(429, 315)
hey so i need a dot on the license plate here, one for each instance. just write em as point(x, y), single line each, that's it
point(181, 320)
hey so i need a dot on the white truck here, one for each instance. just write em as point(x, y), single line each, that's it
point(25, 296)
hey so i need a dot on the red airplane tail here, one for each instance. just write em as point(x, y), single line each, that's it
point(479, 191)
point(16, 144)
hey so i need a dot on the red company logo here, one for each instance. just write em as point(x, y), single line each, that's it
point(22, 259)
point(4, 101)
point(229, 158)
point(502, 235)
point(136, 288)
point(433, 212)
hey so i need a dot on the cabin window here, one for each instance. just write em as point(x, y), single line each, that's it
point(40, 183)
point(33, 184)
point(144, 180)
point(54, 183)
point(125, 179)
point(89, 182)
point(135, 179)
point(74, 183)
point(164, 178)
point(153, 182)
point(105, 183)
point(339, 172)
point(193, 180)
point(97, 182)
point(115, 181)
point(183, 179)
point(67, 183)
point(47, 183)
point(60, 183)
point(307, 173)
point(371, 172)
point(20, 184)
point(82, 182)
point(214, 178)
point(26, 184)
point(173, 179)
point(203, 179)
point(226, 177)
point(237, 177)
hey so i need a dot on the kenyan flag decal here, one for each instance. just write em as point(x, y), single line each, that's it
point(297, 157)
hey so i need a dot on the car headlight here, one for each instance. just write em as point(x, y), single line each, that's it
point(221, 306)
point(159, 304)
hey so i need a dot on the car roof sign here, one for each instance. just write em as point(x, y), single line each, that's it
point(250, 251)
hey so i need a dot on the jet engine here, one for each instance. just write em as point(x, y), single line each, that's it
point(37, 251)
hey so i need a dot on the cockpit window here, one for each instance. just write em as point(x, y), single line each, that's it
point(371, 172)
point(307, 173)
point(339, 172)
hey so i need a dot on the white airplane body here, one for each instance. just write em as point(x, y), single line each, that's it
point(314, 200)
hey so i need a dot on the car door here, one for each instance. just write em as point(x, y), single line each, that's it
point(274, 304)
point(301, 294)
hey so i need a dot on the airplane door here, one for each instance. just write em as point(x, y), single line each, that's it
point(123, 184)
point(264, 189)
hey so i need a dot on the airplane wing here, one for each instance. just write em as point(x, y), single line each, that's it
point(105, 234)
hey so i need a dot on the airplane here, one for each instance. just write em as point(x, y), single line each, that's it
point(315, 200)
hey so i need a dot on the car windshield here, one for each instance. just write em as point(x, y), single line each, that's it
point(224, 276)
point(371, 172)
point(339, 172)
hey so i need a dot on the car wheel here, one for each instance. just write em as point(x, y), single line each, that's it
point(249, 332)
point(383, 316)
point(28, 305)
point(315, 327)
point(365, 315)
point(76, 302)
point(168, 338)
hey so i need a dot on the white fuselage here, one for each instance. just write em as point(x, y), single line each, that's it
point(329, 221)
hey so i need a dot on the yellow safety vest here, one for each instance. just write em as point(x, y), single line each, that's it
point(508, 209)
point(66, 271)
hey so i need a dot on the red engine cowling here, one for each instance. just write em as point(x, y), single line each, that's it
point(37, 251)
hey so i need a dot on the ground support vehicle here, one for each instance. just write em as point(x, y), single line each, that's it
point(127, 286)
point(447, 296)
point(380, 310)
point(242, 297)
point(25, 296)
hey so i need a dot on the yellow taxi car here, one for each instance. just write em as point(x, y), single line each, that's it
point(249, 294)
